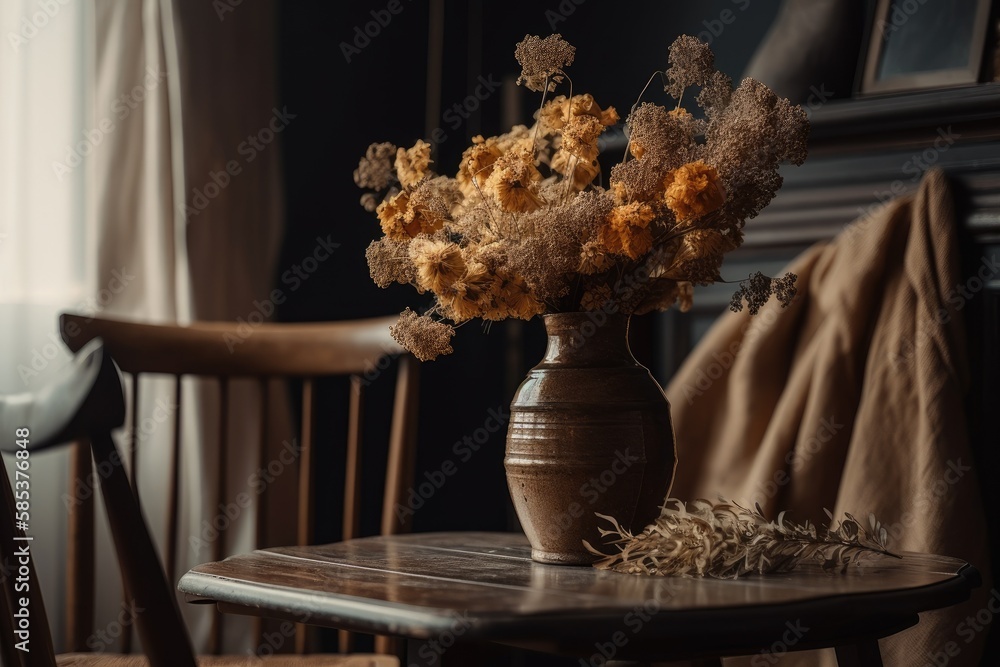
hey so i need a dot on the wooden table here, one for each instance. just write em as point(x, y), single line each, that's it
point(448, 587)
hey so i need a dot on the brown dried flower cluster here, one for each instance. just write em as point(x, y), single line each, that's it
point(422, 335)
point(758, 288)
point(542, 60)
point(527, 224)
point(726, 540)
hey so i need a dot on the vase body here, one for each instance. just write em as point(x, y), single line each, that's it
point(589, 432)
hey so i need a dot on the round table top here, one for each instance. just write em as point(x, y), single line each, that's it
point(485, 586)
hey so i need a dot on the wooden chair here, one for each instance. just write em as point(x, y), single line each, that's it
point(307, 351)
point(86, 403)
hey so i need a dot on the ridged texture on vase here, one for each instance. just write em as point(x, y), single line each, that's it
point(589, 432)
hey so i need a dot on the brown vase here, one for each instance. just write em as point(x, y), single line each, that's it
point(589, 432)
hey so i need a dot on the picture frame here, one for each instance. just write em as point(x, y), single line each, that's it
point(925, 44)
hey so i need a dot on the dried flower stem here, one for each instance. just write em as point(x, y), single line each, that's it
point(534, 135)
point(571, 178)
point(726, 540)
point(486, 203)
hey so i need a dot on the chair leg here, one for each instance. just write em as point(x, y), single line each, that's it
point(863, 654)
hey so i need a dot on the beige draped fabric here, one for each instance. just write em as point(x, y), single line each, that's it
point(185, 198)
point(852, 399)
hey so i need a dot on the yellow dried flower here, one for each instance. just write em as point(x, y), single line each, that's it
point(637, 214)
point(620, 192)
point(519, 136)
point(584, 172)
point(508, 295)
point(514, 182)
point(580, 137)
point(408, 214)
point(681, 114)
point(520, 302)
point(594, 258)
point(694, 190)
point(636, 149)
point(627, 232)
point(438, 263)
point(557, 111)
point(478, 160)
point(412, 163)
point(553, 113)
point(467, 297)
point(392, 214)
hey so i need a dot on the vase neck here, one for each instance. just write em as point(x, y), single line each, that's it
point(587, 339)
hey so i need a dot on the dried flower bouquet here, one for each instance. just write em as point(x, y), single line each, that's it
point(526, 226)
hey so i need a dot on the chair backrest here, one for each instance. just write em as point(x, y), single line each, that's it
point(228, 351)
point(86, 402)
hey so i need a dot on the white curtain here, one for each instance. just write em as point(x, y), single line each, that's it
point(126, 190)
point(192, 210)
point(44, 266)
